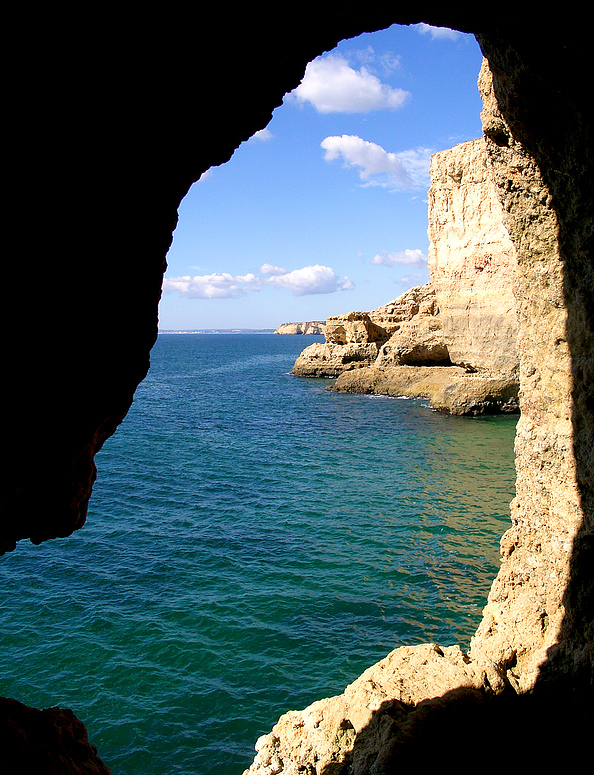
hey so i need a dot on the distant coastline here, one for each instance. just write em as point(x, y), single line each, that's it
point(220, 331)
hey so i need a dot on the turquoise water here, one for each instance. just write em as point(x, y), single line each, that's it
point(254, 542)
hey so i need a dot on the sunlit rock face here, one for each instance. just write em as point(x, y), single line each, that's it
point(472, 260)
point(310, 327)
point(463, 320)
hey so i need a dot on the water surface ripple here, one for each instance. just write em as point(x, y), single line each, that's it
point(254, 542)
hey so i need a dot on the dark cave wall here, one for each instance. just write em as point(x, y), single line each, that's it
point(113, 114)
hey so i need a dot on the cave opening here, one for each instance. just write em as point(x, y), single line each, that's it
point(148, 563)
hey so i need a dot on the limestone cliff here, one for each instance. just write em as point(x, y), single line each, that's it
point(472, 260)
point(464, 317)
point(314, 327)
point(405, 331)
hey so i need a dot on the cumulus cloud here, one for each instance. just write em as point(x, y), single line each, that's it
point(270, 269)
point(408, 257)
point(331, 85)
point(308, 280)
point(404, 170)
point(311, 280)
point(220, 285)
point(442, 33)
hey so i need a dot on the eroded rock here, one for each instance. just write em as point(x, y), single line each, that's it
point(472, 260)
point(357, 731)
point(450, 389)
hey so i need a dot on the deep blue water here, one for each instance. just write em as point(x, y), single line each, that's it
point(254, 542)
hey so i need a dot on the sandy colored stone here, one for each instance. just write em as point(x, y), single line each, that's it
point(311, 327)
point(407, 330)
point(419, 341)
point(376, 708)
point(450, 389)
point(523, 619)
point(472, 260)
point(330, 360)
point(416, 301)
point(353, 328)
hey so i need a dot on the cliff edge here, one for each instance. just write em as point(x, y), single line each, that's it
point(452, 340)
point(311, 327)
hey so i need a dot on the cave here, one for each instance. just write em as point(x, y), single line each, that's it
point(114, 114)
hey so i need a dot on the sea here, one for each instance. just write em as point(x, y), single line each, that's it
point(254, 542)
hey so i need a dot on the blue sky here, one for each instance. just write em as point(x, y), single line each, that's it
point(325, 211)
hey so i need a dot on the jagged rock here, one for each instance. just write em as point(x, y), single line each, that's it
point(421, 342)
point(406, 330)
point(417, 339)
point(315, 327)
point(472, 260)
point(357, 731)
point(51, 741)
point(531, 623)
point(416, 301)
point(354, 328)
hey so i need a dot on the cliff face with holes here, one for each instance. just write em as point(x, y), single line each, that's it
point(111, 122)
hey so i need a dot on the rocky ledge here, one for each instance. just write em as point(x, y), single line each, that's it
point(450, 389)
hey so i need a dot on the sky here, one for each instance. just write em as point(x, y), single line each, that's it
point(325, 211)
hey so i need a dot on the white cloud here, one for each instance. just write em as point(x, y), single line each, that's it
point(408, 257)
point(442, 33)
point(270, 269)
point(408, 169)
point(331, 85)
point(220, 285)
point(306, 281)
point(311, 280)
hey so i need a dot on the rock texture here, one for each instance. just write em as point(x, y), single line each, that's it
point(417, 339)
point(315, 327)
point(538, 625)
point(472, 260)
point(330, 360)
point(354, 328)
point(120, 142)
point(355, 732)
point(525, 623)
point(450, 389)
point(406, 331)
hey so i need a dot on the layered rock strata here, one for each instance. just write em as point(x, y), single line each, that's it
point(450, 389)
point(472, 260)
point(404, 331)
